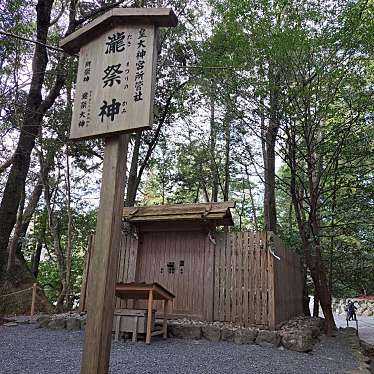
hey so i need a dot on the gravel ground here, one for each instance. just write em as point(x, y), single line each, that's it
point(25, 349)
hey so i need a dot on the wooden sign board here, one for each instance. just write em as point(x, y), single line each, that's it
point(115, 82)
point(114, 95)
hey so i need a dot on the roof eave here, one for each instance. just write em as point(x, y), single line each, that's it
point(160, 17)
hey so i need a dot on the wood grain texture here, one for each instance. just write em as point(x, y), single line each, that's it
point(101, 288)
point(263, 289)
point(172, 214)
point(94, 88)
point(149, 318)
point(160, 17)
point(220, 271)
point(157, 250)
point(208, 278)
point(33, 299)
point(245, 278)
point(288, 282)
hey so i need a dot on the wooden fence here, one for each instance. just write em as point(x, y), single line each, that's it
point(243, 287)
point(288, 281)
point(239, 279)
point(252, 286)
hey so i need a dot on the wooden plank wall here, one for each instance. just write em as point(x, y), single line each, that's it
point(241, 279)
point(127, 264)
point(288, 282)
point(188, 251)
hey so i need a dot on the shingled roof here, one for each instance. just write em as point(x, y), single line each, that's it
point(218, 214)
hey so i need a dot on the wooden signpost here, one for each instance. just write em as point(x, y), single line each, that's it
point(114, 96)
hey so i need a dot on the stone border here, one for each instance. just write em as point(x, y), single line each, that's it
point(298, 334)
point(62, 321)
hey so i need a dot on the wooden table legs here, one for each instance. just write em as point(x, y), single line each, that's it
point(165, 322)
point(116, 331)
point(135, 331)
point(149, 318)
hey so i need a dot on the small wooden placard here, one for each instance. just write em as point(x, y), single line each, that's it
point(116, 73)
point(115, 83)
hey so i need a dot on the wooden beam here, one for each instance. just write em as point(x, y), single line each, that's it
point(179, 209)
point(101, 288)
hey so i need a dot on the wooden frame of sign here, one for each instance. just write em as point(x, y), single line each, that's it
point(114, 96)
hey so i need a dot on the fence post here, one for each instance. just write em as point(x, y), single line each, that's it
point(269, 235)
point(33, 298)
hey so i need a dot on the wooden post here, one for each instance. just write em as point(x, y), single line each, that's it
point(101, 288)
point(272, 283)
point(149, 318)
point(165, 321)
point(125, 37)
point(33, 299)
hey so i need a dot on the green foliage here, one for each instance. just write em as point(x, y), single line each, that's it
point(315, 57)
point(84, 226)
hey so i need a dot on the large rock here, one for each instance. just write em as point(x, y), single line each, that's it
point(245, 336)
point(367, 313)
point(267, 338)
point(297, 340)
point(42, 317)
point(73, 324)
point(211, 333)
point(185, 331)
point(57, 324)
point(227, 334)
point(10, 324)
point(348, 331)
point(315, 324)
point(367, 348)
point(44, 322)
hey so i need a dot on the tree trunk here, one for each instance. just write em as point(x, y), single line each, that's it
point(253, 206)
point(16, 236)
point(227, 157)
point(319, 277)
point(309, 229)
point(315, 305)
point(35, 259)
point(6, 164)
point(269, 137)
point(34, 111)
point(132, 184)
point(306, 309)
point(140, 168)
point(212, 148)
point(53, 226)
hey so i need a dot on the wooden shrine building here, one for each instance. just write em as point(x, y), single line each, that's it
point(216, 275)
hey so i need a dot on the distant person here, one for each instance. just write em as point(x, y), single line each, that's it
point(351, 311)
